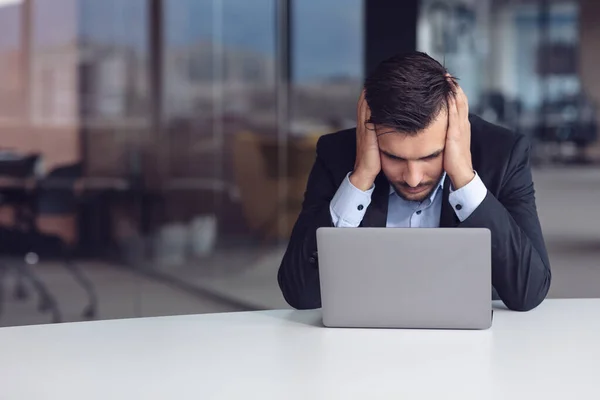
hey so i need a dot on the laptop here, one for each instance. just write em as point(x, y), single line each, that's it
point(421, 278)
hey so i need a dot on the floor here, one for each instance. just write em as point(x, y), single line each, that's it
point(122, 294)
point(569, 208)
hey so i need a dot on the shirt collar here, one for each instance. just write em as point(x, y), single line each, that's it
point(433, 194)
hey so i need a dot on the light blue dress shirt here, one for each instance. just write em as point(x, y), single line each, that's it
point(349, 205)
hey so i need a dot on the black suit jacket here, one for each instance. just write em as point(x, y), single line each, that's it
point(520, 267)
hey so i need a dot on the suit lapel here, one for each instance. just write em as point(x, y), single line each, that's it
point(448, 218)
point(376, 215)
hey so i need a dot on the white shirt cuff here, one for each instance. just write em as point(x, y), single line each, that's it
point(465, 200)
point(349, 205)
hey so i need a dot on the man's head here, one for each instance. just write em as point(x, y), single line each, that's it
point(407, 95)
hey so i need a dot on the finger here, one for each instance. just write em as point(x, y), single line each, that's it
point(367, 110)
point(462, 103)
point(453, 118)
point(449, 78)
point(361, 100)
point(452, 81)
point(361, 107)
point(362, 96)
point(364, 111)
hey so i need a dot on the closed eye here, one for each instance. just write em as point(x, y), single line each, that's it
point(393, 157)
point(430, 157)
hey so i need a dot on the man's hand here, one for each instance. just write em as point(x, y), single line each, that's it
point(457, 154)
point(368, 163)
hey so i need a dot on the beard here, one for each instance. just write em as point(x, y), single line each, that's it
point(427, 187)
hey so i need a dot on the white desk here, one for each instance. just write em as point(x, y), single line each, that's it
point(552, 352)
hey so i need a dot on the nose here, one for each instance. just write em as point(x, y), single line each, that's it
point(413, 174)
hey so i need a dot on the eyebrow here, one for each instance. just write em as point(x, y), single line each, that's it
point(429, 157)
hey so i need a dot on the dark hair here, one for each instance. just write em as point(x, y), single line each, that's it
point(407, 92)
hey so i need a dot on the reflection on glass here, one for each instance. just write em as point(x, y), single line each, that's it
point(219, 85)
point(206, 190)
point(54, 63)
point(231, 180)
point(114, 71)
point(113, 81)
point(11, 69)
point(327, 64)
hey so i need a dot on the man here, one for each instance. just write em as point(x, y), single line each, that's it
point(418, 159)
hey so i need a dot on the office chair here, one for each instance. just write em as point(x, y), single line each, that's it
point(16, 245)
point(56, 197)
point(17, 194)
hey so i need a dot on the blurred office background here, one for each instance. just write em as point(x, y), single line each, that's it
point(153, 153)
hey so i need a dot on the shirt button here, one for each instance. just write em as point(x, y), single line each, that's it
point(458, 207)
point(360, 207)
